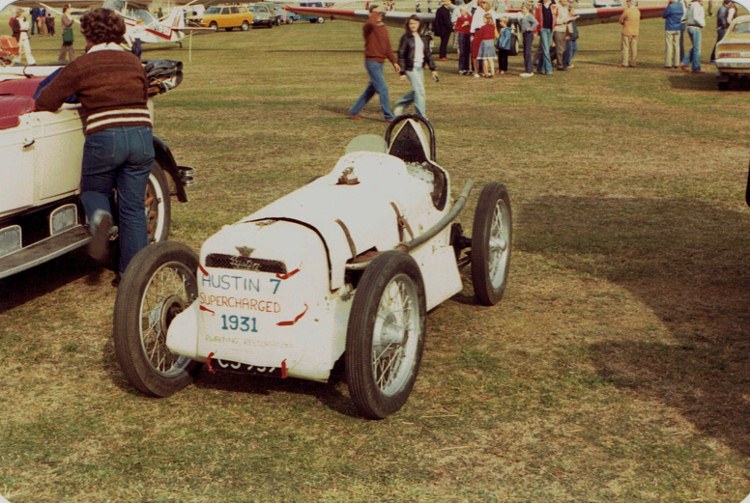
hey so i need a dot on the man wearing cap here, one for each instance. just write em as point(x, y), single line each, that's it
point(443, 27)
point(377, 50)
point(696, 23)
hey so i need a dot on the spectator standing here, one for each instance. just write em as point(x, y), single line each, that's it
point(571, 45)
point(560, 33)
point(24, 46)
point(721, 26)
point(672, 15)
point(413, 53)
point(41, 21)
point(529, 25)
point(503, 45)
point(630, 19)
point(377, 50)
point(66, 23)
point(731, 12)
point(118, 149)
point(696, 23)
point(15, 27)
point(34, 14)
point(477, 17)
point(483, 47)
point(463, 31)
point(683, 26)
point(50, 25)
point(546, 15)
point(443, 27)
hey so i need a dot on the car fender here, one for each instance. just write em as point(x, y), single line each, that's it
point(166, 161)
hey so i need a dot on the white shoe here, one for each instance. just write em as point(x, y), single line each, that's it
point(399, 110)
point(527, 75)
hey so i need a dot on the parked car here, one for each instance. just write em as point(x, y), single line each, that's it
point(284, 16)
point(733, 53)
point(263, 15)
point(41, 215)
point(313, 19)
point(348, 264)
point(227, 17)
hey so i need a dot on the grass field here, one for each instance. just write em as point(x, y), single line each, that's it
point(615, 368)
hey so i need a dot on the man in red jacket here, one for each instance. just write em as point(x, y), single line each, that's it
point(377, 50)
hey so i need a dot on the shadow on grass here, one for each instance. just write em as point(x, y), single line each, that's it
point(235, 382)
point(37, 281)
point(688, 263)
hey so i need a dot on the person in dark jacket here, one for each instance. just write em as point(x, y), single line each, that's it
point(443, 27)
point(118, 150)
point(377, 50)
point(413, 53)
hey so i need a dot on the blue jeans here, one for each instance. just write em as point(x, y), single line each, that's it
point(417, 94)
point(545, 63)
point(528, 40)
point(694, 55)
point(571, 48)
point(377, 85)
point(120, 158)
point(464, 52)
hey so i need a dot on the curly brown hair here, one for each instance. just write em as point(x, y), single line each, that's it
point(102, 25)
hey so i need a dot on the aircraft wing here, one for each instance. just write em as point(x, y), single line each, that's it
point(586, 16)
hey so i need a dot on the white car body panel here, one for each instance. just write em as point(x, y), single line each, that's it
point(285, 300)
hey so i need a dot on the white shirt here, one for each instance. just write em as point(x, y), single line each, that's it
point(418, 51)
point(696, 16)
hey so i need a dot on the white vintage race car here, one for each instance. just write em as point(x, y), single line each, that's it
point(41, 216)
point(733, 53)
point(348, 264)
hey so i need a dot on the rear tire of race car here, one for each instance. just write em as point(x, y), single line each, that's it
point(385, 335)
point(158, 205)
point(158, 284)
point(321, 20)
point(490, 244)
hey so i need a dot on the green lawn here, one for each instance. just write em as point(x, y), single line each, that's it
point(615, 368)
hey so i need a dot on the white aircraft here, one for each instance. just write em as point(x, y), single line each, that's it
point(586, 15)
point(139, 21)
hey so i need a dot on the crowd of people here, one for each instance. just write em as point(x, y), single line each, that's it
point(42, 24)
point(483, 36)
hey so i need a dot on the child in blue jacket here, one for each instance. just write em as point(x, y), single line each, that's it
point(503, 44)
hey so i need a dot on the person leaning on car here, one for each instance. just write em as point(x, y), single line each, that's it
point(118, 152)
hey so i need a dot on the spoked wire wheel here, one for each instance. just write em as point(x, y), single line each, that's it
point(158, 205)
point(491, 244)
point(385, 336)
point(158, 284)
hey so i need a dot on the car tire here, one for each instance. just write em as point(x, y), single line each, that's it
point(385, 335)
point(245, 26)
point(724, 85)
point(158, 284)
point(491, 244)
point(320, 20)
point(158, 205)
point(214, 26)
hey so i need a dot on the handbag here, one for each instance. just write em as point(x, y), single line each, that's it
point(68, 35)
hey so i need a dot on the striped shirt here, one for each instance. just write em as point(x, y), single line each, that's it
point(110, 84)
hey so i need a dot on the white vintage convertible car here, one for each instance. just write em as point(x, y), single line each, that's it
point(347, 265)
point(41, 216)
point(733, 53)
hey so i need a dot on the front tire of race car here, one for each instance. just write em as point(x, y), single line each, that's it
point(158, 205)
point(490, 244)
point(158, 284)
point(385, 335)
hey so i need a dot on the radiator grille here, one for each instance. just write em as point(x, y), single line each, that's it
point(223, 261)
